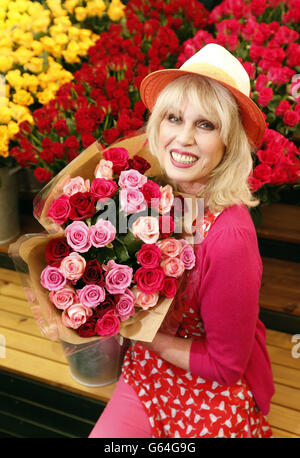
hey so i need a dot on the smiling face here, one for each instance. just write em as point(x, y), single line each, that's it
point(189, 146)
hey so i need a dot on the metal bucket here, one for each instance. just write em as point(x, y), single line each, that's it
point(96, 363)
point(9, 205)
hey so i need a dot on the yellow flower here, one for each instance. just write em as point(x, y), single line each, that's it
point(23, 55)
point(12, 128)
point(41, 24)
point(5, 115)
point(6, 62)
point(71, 53)
point(3, 101)
point(48, 43)
point(70, 5)
point(116, 10)
point(80, 13)
point(45, 96)
point(4, 141)
point(37, 47)
point(73, 33)
point(14, 78)
point(63, 21)
point(61, 39)
point(35, 65)
point(30, 82)
point(18, 111)
point(23, 97)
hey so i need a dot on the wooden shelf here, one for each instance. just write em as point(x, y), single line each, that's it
point(280, 222)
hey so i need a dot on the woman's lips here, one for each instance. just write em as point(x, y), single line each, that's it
point(181, 164)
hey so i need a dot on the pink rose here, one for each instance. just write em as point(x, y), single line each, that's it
point(166, 200)
point(146, 228)
point(170, 247)
point(291, 118)
point(149, 255)
point(78, 236)
point(102, 189)
point(265, 95)
point(104, 170)
point(144, 300)
point(91, 295)
point(52, 278)
point(76, 315)
point(118, 277)
point(149, 280)
point(108, 325)
point(102, 233)
point(187, 256)
point(125, 305)
point(59, 210)
point(131, 179)
point(73, 266)
point(64, 297)
point(74, 185)
point(132, 200)
point(172, 267)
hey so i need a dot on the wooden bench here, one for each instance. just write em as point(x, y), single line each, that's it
point(30, 355)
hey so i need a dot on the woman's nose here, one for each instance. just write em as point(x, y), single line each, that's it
point(186, 134)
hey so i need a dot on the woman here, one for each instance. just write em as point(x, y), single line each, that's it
point(214, 378)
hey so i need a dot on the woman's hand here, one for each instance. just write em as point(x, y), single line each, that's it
point(175, 350)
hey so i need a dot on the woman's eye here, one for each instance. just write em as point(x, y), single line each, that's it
point(173, 118)
point(206, 125)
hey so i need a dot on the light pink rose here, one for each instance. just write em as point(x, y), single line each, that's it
point(91, 295)
point(74, 185)
point(102, 233)
point(76, 315)
point(108, 325)
point(146, 228)
point(187, 256)
point(144, 300)
point(170, 247)
point(73, 266)
point(125, 305)
point(52, 278)
point(118, 277)
point(131, 179)
point(104, 170)
point(64, 297)
point(167, 199)
point(132, 201)
point(172, 267)
point(78, 236)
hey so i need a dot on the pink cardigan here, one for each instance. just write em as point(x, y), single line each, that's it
point(228, 279)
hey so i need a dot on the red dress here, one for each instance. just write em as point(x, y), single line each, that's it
point(180, 404)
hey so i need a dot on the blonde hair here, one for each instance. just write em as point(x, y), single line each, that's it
point(228, 183)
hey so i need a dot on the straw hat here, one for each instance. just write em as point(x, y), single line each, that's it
point(217, 63)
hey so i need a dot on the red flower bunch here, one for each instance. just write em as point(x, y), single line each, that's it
point(98, 274)
point(261, 35)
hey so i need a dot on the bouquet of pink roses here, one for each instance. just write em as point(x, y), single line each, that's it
point(119, 257)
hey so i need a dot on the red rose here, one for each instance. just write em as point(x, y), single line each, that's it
point(82, 206)
point(111, 135)
point(263, 173)
point(139, 163)
point(87, 140)
point(103, 189)
point(93, 273)
point(149, 256)
point(42, 174)
point(88, 328)
point(291, 118)
point(166, 225)
point(119, 157)
point(279, 176)
point(56, 251)
point(265, 96)
point(61, 127)
point(169, 288)
point(282, 107)
point(149, 280)
point(152, 193)
point(60, 209)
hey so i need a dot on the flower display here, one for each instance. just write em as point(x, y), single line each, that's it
point(102, 101)
point(100, 273)
point(264, 36)
point(41, 45)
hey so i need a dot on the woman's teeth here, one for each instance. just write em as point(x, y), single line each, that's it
point(183, 158)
